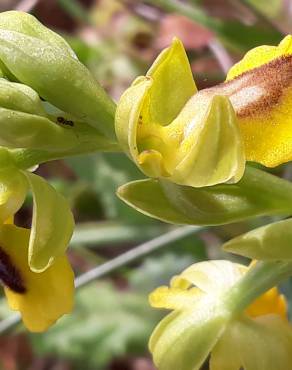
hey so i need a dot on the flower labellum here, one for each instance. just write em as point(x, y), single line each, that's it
point(41, 298)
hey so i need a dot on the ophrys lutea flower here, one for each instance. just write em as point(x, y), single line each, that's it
point(202, 138)
point(203, 323)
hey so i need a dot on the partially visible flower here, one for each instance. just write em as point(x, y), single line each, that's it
point(41, 298)
point(202, 323)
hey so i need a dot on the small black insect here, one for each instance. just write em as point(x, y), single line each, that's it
point(64, 121)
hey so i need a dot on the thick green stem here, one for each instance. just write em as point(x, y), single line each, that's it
point(259, 279)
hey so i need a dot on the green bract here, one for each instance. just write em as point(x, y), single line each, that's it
point(270, 242)
point(24, 122)
point(39, 58)
point(172, 132)
point(258, 193)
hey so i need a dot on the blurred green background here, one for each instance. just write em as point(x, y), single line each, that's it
point(118, 40)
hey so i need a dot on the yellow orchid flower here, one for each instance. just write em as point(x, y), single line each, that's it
point(203, 324)
point(41, 298)
point(172, 131)
point(201, 138)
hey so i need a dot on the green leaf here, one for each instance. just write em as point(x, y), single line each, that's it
point(52, 224)
point(258, 193)
point(270, 242)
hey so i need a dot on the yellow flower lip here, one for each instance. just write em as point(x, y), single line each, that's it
point(41, 298)
point(265, 117)
point(271, 302)
point(257, 90)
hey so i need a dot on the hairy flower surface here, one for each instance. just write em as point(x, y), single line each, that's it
point(41, 298)
point(203, 323)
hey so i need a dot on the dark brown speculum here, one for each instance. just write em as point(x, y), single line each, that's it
point(9, 274)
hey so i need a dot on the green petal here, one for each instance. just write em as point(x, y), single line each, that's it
point(13, 190)
point(211, 276)
point(214, 150)
point(40, 60)
point(270, 242)
point(256, 194)
point(183, 340)
point(127, 115)
point(172, 86)
point(52, 224)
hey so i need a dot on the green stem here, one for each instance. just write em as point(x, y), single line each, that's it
point(27, 158)
point(89, 141)
point(259, 279)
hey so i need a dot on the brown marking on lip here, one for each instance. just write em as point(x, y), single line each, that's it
point(9, 274)
point(272, 79)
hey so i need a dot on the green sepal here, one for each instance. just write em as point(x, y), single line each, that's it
point(269, 242)
point(24, 130)
point(21, 98)
point(40, 59)
point(13, 190)
point(24, 122)
point(183, 339)
point(258, 193)
point(52, 224)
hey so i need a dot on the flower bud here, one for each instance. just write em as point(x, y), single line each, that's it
point(39, 58)
point(25, 124)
